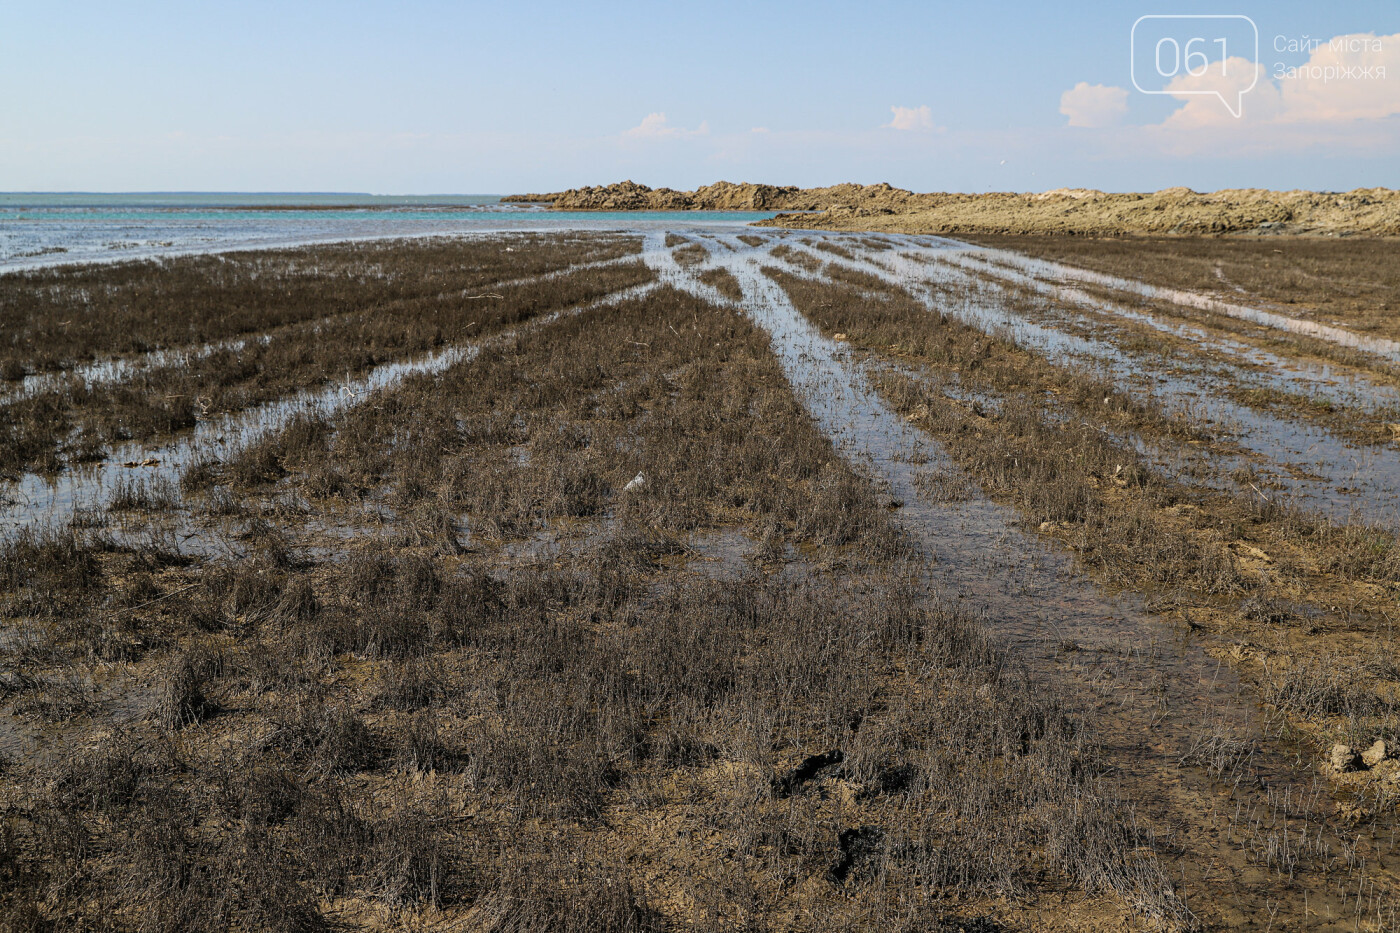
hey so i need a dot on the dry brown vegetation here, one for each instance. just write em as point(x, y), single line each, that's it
point(456, 669)
point(691, 254)
point(52, 318)
point(722, 281)
point(595, 630)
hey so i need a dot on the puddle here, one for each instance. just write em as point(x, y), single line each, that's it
point(722, 554)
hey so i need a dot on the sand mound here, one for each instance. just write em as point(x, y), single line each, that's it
point(1073, 211)
point(721, 196)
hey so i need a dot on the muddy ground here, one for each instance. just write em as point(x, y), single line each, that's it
point(763, 580)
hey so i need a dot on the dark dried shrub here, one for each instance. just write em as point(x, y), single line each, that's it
point(22, 884)
point(419, 745)
point(1366, 553)
point(224, 503)
point(180, 697)
point(1323, 689)
point(87, 446)
point(271, 547)
point(332, 837)
point(390, 633)
point(254, 590)
point(298, 603)
point(1267, 610)
point(139, 495)
point(410, 684)
point(330, 738)
point(265, 667)
point(383, 579)
point(200, 475)
point(111, 776)
point(116, 641)
point(843, 510)
point(50, 572)
point(261, 795)
point(257, 465)
point(575, 899)
point(430, 526)
point(174, 877)
point(138, 590)
point(325, 480)
point(406, 861)
point(471, 601)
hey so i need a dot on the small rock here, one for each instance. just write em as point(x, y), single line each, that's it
point(636, 482)
point(1375, 754)
point(1343, 758)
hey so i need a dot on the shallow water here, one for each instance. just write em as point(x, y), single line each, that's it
point(119, 369)
point(1045, 269)
point(1318, 469)
point(1355, 389)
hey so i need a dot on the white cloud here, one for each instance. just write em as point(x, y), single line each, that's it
point(1345, 79)
point(1345, 97)
point(1321, 90)
point(910, 118)
point(654, 126)
point(1094, 105)
point(1230, 78)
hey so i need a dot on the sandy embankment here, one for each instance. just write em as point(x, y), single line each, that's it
point(1364, 211)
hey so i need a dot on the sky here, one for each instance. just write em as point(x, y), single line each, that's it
point(435, 97)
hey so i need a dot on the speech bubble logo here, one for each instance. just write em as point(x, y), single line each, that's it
point(1169, 47)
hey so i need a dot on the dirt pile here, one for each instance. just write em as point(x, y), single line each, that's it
point(1373, 211)
point(722, 196)
point(1069, 211)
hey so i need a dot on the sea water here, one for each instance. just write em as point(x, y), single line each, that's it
point(51, 229)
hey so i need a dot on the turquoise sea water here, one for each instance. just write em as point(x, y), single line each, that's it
point(49, 229)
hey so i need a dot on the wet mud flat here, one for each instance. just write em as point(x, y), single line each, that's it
point(710, 580)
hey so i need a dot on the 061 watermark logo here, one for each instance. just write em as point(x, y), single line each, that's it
point(1208, 54)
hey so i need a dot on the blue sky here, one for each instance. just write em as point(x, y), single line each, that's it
point(432, 97)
